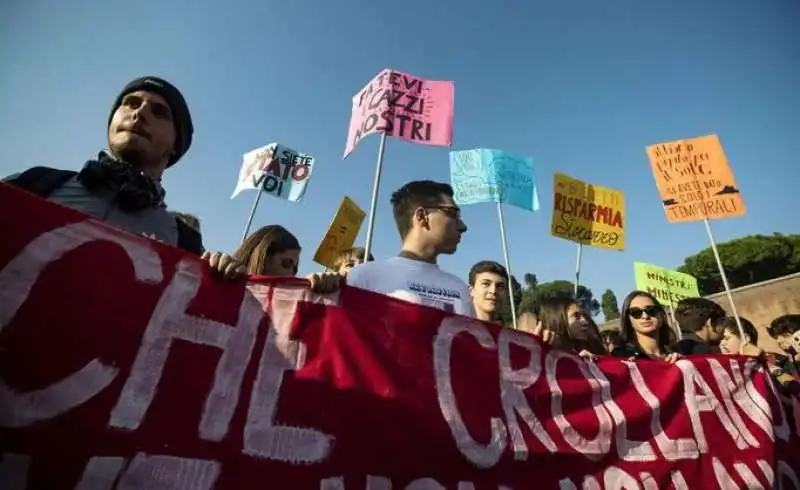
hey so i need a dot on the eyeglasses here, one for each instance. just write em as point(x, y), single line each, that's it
point(637, 312)
point(452, 211)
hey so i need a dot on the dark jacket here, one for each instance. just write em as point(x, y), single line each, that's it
point(66, 187)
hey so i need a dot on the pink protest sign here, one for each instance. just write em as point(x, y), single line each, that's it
point(404, 106)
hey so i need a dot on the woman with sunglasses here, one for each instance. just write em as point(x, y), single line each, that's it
point(645, 334)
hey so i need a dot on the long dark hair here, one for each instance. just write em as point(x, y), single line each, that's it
point(665, 337)
point(573, 338)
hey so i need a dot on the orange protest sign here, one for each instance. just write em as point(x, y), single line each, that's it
point(695, 180)
point(341, 233)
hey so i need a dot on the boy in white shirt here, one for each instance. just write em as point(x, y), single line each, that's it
point(429, 223)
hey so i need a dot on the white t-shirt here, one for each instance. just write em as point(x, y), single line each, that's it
point(414, 281)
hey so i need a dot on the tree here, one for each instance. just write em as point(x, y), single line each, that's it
point(516, 291)
point(610, 305)
point(530, 280)
point(747, 260)
point(532, 297)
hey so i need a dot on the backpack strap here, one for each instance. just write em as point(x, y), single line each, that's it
point(189, 239)
point(41, 181)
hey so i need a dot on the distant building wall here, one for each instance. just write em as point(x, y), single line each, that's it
point(760, 303)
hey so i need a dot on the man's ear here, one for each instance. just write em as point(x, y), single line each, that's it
point(421, 216)
point(470, 289)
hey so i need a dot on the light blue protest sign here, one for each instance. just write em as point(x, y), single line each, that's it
point(484, 175)
point(277, 170)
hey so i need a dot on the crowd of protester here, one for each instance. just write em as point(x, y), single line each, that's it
point(149, 129)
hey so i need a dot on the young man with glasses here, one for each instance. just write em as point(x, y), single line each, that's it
point(429, 223)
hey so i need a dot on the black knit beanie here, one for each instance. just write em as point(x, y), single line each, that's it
point(177, 104)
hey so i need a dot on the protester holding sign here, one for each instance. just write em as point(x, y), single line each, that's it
point(645, 332)
point(429, 223)
point(488, 287)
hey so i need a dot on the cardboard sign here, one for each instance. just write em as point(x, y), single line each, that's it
point(668, 286)
point(694, 180)
point(483, 175)
point(588, 214)
point(341, 233)
point(404, 106)
point(277, 170)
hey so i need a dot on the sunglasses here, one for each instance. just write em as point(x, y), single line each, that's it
point(451, 211)
point(637, 312)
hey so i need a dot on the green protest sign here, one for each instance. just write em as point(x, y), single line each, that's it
point(666, 285)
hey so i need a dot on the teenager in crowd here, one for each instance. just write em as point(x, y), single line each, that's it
point(784, 368)
point(273, 251)
point(732, 343)
point(488, 288)
point(429, 223)
point(786, 332)
point(781, 367)
point(699, 320)
point(572, 328)
point(645, 332)
point(347, 259)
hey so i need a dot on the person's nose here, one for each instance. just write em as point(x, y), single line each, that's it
point(142, 113)
point(462, 227)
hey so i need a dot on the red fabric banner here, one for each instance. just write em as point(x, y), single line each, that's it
point(125, 365)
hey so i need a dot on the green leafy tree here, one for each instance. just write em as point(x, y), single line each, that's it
point(530, 280)
point(747, 260)
point(532, 297)
point(516, 296)
point(608, 303)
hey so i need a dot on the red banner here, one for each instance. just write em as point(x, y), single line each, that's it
point(125, 365)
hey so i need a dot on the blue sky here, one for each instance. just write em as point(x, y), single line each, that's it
point(581, 86)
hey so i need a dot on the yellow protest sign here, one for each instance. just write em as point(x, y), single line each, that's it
point(588, 214)
point(341, 233)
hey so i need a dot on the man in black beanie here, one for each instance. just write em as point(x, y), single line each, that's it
point(149, 130)
point(150, 125)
